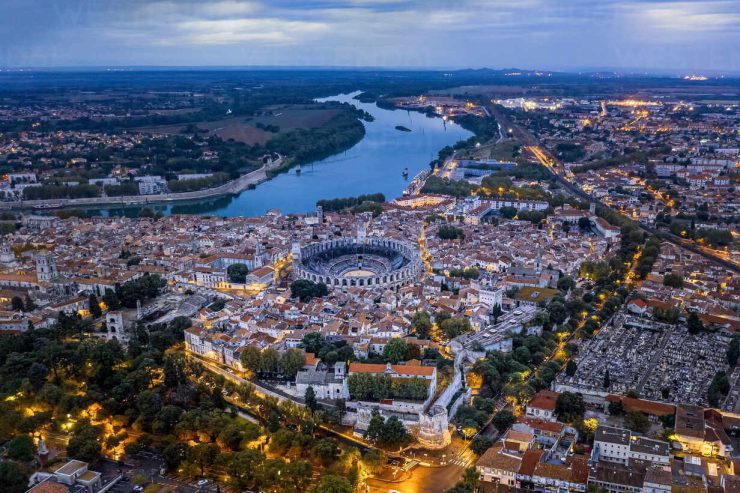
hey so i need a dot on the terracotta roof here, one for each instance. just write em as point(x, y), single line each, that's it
point(543, 425)
point(399, 369)
point(495, 458)
point(643, 406)
point(530, 459)
point(544, 399)
point(310, 359)
point(49, 486)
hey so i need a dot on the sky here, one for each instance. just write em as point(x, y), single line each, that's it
point(529, 34)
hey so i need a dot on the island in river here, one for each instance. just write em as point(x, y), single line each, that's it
point(374, 165)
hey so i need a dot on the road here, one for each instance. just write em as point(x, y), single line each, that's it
point(457, 457)
point(448, 467)
point(557, 169)
point(230, 188)
point(527, 139)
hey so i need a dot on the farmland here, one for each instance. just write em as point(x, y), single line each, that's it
point(255, 130)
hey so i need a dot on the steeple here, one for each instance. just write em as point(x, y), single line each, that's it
point(46, 266)
point(7, 257)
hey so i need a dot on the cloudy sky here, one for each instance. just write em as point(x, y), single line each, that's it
point(546, 34)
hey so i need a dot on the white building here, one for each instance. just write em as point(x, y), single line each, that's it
point(151, 185)
point(620, 445)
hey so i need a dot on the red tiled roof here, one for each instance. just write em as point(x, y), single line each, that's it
point(399, 369)
point(544, 399)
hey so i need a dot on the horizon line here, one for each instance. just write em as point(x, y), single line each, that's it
point(714, 73)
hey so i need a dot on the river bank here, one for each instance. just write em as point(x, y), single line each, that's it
point(381, 162)
point(231, 188)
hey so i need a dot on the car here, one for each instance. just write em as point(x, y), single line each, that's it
point(138, 488)
point(202, 482)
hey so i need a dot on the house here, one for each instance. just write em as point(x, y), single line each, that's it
point(571, 476)
point(545, 432)
point(325, 384)
point(428, 373)
point(637, 306)
point(73, 476)
point(621, 446)
point(497, 465)
point(611, 444)
point(542, 405)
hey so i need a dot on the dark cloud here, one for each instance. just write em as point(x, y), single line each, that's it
point(551, 34)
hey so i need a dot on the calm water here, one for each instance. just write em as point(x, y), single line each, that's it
point(375, 164)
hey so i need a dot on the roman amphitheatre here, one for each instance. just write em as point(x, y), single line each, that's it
point(362, 262)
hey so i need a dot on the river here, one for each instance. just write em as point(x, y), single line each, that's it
point(375, 164)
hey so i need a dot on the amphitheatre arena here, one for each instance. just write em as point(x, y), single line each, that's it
point(348, 262)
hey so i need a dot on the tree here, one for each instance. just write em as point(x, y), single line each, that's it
point(557, 312)
point(673, 280)
point(110, 298)
point(16, 304)
point(174, 371)
point(270, 360)
point(503, 420)
point(471, 478)
point(586, 429)
point(636, 421)
point(616, 408)
point(326, 451)
point(694, 324)
point(480, 444)
point(203, 455)
point(719, 387)
point(237, 273)
point(313, 342)
point(94, 306)
point(12, 477)
point(448, 232)
point(569, 406)
point(584, 223)
point(453, 327)
point(237, 432)
point(508, 212)
point(566, 283)
point(21, 448)
point(733, 351)
point(243, 468)
point(570, 368)
point(37, 375)
point(375, 427)
point(85, 442)
point(422, 324)
point(291, 362)
point(310, 399)
point(331, 483)
point(251, 358)
point(143, 288)
point(607, 382)
point(374, 460)
point(395, 350)
point(393, 432)
point(305, 290)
